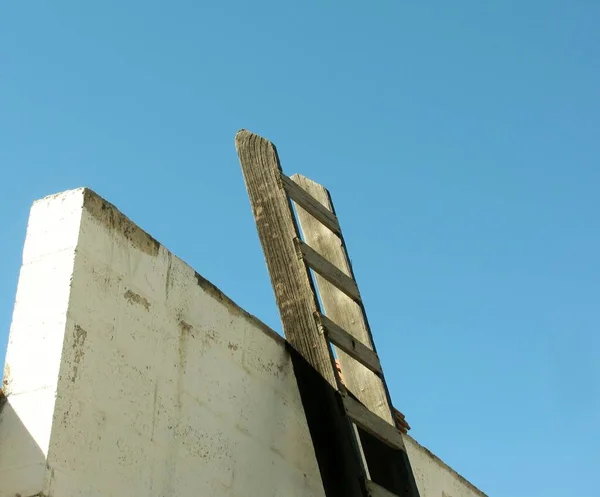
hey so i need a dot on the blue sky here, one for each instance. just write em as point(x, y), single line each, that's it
point(459, 141)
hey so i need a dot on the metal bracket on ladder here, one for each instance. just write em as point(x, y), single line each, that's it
point(381, 467)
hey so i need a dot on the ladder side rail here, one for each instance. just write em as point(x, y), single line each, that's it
point(277, 230)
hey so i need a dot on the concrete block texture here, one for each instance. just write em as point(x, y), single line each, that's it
point(128, 374)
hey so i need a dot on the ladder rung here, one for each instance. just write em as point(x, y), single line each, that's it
point(375, 490)
point(372, 423)
point(311, 205)
point(345, 341)
point(326, 269)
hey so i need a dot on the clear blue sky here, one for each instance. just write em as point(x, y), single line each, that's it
point(461, 143)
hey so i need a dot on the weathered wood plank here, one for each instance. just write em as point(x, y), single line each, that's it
point(327, 270)
point(372, 423)
point(346, 342)
point(341, 309)
point(311, 205)
point(375, 490)
point(331, 432)
point(394, 470)
point(277, 231)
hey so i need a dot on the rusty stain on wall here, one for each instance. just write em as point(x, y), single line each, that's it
point(3, 399)
point(108, 215)
point(79, 337)
point(168, 277)
point(137, 299)
point(6, 379)
point(185, 332)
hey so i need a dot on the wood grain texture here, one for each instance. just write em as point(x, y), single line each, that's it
point(297, 301)
point(331, 273)
point(343, 340)
point(340, 308)
point(277, 230)
point(311, 205)
point(390, 468)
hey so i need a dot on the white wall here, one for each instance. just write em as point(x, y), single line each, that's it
point(33, 357)
point(434, 477)
point(129, 374)
point(163, 386)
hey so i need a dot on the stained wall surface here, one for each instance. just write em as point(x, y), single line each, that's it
point(127, 373)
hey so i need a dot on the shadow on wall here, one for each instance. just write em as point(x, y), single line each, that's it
point(22, 462)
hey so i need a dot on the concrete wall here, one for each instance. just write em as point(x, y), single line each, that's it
point(129, 374)
point(434, 477)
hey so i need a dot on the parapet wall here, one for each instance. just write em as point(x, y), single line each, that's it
point(127, 373)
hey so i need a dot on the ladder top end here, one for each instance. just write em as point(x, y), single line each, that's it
point(244, 134)
point(248, 139)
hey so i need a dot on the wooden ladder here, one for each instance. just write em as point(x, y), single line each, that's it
point(356, 414)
